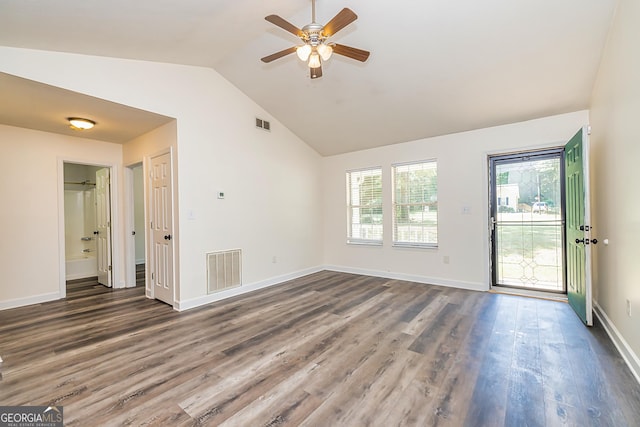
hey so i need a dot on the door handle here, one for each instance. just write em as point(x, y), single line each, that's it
point(167, 237)
point(96, 232)
point(587, 241)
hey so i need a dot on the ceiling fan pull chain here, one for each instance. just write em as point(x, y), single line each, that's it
point(313, 11)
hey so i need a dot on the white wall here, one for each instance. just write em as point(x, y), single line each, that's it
point(271, 179)
point(615, 141)
point(462, 182)
point(30, 253)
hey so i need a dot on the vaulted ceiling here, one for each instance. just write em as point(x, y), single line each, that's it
point(436, 66)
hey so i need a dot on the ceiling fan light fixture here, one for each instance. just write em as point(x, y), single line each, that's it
point(78, 123)
point(325, 51)
point(314, 60)
point(315, 46)
point(303, 52)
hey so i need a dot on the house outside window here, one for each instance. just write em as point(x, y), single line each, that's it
point(415, 204)
point(364, 206)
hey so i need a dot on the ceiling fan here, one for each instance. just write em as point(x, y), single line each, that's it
point(315, 47)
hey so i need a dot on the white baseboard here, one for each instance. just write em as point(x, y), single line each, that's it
point(80, 276)
point(472, 286)
point(21, 302)
point(208, 299)
point(621, 344)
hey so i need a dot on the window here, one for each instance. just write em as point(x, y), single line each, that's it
point(415, 204)
point(364, 206)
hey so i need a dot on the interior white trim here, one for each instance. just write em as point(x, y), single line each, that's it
point(438, 281)
point(129, 244)
point(208, 299)
point(35, 299)
point(632, 360)
point(62, 257)
point(552, 296)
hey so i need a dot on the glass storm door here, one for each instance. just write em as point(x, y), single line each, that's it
point(527, 221)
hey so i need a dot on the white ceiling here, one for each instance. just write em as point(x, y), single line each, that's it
point(436, 66)
point(38, 106)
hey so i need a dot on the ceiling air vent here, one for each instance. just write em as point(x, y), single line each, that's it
point(263, 124)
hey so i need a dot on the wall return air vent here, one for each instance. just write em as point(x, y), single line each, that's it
point(224, 270)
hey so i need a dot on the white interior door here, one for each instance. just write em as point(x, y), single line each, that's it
point(162, 228)
point(103, 221)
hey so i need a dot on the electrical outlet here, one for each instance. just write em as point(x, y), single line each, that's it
point(445, 259)
point(274, 259)
point(629, 308)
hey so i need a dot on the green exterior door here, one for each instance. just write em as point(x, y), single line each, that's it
point(578, 226)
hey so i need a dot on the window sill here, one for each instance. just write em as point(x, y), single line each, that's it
point(415, 245)
point(364, 243)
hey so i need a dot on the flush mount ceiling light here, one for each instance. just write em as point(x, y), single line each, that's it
point(315, 46)
point(78, 123)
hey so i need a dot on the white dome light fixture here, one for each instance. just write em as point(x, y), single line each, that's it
point(78, 123)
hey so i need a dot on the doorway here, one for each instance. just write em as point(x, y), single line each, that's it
point(528, 221)
point(138, 233)
point(87, 222)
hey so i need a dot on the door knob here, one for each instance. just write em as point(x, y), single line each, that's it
point(594, 241)
point(579, 241)
point(96, 232)
point(167, 237)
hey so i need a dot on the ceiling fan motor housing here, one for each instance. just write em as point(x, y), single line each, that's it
point(312, 34)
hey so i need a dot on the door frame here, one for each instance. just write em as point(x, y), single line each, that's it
point(491, 274)
point(115, 221)
point(129, 223)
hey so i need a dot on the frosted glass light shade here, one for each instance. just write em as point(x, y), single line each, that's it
point(303, 52)
point(314, 60)
point(81, 124)
point(325, 51)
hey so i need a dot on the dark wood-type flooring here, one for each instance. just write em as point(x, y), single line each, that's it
point(329, 349)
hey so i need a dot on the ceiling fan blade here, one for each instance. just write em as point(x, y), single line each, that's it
point(277, 55)
point(351, 52)
point(316, 72)
point(285, 25)
point(345, 17)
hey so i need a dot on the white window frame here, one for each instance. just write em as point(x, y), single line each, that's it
point(421, 229)
point(352, 206)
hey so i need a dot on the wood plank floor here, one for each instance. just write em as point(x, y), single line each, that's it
point(329, 349)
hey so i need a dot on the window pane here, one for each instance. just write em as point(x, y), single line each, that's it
point(364, 205)
point(415, 204)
